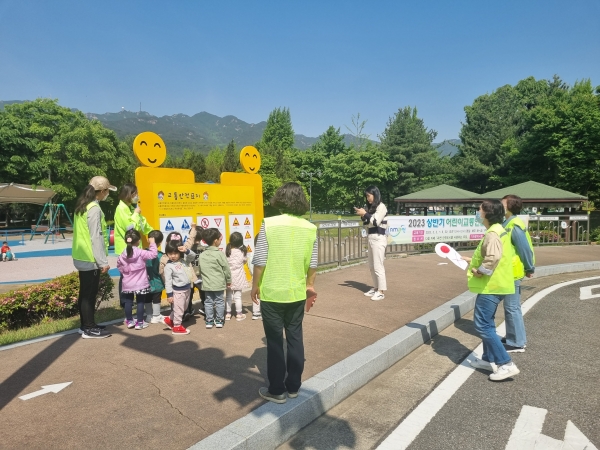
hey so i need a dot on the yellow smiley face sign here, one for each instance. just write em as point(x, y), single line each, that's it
point(250, 159)
point(150, 149)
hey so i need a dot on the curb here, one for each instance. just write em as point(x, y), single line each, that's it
point(270, 425)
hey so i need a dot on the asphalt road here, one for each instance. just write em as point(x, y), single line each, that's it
point(559, 373)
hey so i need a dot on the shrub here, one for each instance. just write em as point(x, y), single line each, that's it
point(595, 235)
point(546, 236)
point(54, 299)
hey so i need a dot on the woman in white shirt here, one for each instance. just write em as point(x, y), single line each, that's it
point(374, 217)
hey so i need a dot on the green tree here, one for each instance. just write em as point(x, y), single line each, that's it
point(347, 174)
point(562, 145)
point(494, 126)
point(331, 142)
point(231, 160)
point(42, 143)
point(278, 141)
point(214, 164)
point(190, 159)
point(408, 143)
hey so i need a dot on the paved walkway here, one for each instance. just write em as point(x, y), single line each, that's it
point(149, 388)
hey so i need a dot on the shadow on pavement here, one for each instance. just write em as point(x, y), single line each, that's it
point(447, 346)
point(26, 374)
point(244, 382)
point(356, 285)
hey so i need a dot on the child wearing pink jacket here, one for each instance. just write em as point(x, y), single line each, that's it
point(236, 253)
point(132, 264)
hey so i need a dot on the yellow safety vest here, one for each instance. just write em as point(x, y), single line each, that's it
point(501, 282)
point(82, 240)
point(518, 267)
point(290, 241)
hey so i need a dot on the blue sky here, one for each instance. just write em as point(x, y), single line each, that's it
point(324, 60)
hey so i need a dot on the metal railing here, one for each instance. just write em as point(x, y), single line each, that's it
point(342, 242)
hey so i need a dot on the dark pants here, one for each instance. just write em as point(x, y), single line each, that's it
point(277, 317)
point(89, 281)
point(202, 297)
point(141, 299)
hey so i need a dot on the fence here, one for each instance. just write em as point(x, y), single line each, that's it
point(343, 242)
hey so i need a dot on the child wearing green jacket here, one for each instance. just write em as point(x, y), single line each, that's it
point(216, 277)
point(157, 284)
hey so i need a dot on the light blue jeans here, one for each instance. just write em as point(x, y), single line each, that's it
point(485, 312)
point(515, 326)
point(214, 306)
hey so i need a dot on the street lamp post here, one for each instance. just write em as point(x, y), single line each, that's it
point(310, 175)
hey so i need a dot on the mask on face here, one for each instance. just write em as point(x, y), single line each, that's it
point(135, 199)
point(105, 197)
point(478, 218)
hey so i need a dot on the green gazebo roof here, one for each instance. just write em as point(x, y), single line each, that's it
point(532, 191)
point(442, 195)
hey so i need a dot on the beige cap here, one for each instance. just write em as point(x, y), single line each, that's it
point(100, 183)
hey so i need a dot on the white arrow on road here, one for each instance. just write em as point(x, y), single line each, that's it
point(45, 389)
point(585, 293)
point(527, 434)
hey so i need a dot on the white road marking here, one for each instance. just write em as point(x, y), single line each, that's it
point(527, 434)
point(585, 293)
point(46, 389)
point(417, 420)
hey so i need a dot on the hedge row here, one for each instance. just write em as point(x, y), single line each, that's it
point(54, 299)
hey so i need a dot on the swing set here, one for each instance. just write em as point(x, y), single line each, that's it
point(53, 216)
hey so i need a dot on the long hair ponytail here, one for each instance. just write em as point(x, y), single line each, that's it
point(132, 237)
point(236, 240)
point(88, 195)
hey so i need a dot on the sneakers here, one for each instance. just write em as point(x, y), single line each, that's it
point(257, 316)
point(94, 333)
point(201, 311)
point(505, 371)
point(168, 322)
point(129, 323)
point(371, 292)
point(240, 317)
point(210, 324)
point(292, 394)
point(227, 316)
point(158, 319)
point(378, 296)
point(188, 315)
point(503, 340)
point(141, 325)
point(481, 364)
point(511, 349)
point(218, 324)
point(264, 393)
point(180, 329)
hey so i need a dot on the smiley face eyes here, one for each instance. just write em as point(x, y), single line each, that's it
point(254, 156)
point(144, 143)
point(150, 149)
point(247, 154)
point(157, 145)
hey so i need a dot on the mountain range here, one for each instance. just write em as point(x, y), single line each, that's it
point(204, 131)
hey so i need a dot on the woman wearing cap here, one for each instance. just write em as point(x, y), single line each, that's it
point(90, 252)
point(373, 216)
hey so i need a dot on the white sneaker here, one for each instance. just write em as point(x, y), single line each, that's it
point(481, 364)
point(370, 292)
point(158, 319)
point(505, 371)
point(378, 296)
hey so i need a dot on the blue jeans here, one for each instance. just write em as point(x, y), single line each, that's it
point(214, 306)
point(515, 326)
point(485, 312)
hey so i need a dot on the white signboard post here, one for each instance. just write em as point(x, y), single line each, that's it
point(217, 222)
point(180, 224)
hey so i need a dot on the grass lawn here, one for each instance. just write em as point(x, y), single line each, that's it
point(56, 326)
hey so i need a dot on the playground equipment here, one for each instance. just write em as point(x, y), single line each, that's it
point(53, 216)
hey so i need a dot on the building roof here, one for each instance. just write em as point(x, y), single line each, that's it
point(442, 195)
point(534, 191)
